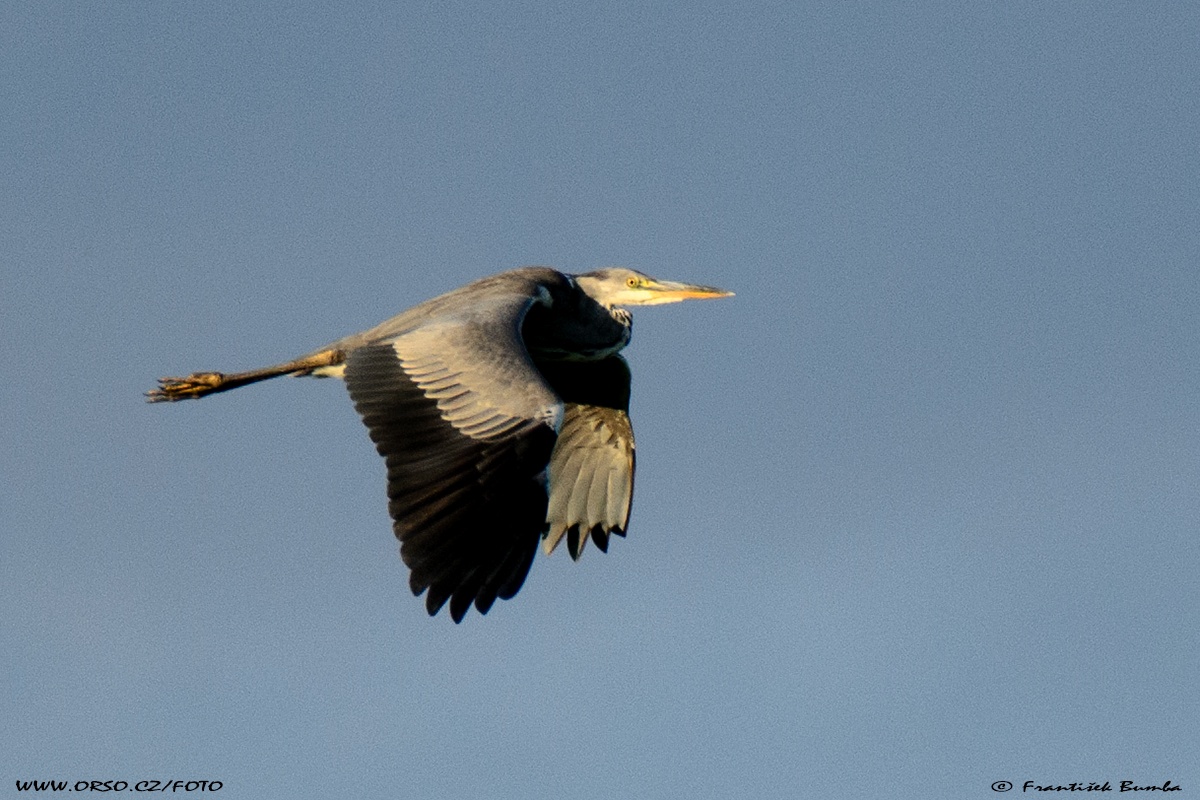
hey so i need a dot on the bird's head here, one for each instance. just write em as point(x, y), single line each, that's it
point(620, 287)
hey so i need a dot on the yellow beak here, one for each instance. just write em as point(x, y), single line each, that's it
point(654, 292)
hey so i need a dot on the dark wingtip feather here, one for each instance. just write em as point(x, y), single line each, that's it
point(460, 604)
point(437, 597)
point(575, 542)
point(483, 603)
point(600, 537)
point(516, 579)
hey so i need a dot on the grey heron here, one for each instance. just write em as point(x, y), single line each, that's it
point(501, 409)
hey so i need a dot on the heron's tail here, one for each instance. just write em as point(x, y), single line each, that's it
point(200, 384)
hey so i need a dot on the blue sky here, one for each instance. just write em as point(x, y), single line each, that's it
point(916, 511)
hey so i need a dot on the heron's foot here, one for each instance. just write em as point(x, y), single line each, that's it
point(195, 385)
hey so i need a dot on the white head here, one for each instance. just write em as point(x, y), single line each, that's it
point(618, 286)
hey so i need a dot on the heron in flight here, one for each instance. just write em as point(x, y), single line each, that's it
point(502, 411)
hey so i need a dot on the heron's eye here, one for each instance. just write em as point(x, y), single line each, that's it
point(631, 282)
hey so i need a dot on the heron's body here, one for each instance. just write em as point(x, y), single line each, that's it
point(501, 409)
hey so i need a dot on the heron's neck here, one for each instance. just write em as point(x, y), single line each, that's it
point(577, 328)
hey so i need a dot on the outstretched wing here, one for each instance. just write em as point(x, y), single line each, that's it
point(467, 425)
point(592, 466)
